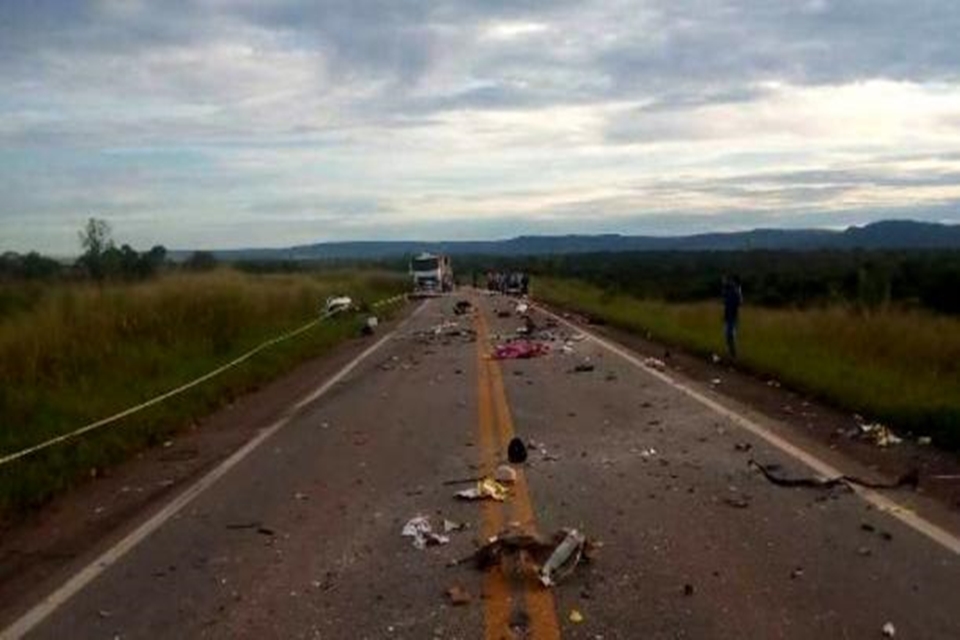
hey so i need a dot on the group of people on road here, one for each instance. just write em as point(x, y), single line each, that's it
point(511, 282)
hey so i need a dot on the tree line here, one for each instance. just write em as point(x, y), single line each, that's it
point(101, 259)
point(866, 279)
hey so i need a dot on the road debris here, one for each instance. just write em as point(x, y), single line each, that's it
point(737, 502)
point(742, 447)
point(370, 326)
point(541, 448)
point(924, 440)
point(769, 471)
point(688, 589)
point(654, 363)
point(335, 304)
point(584, 367)
point(516, 451)
point(485, 489)
point(505, 474)
point(564, 558)
point(462, 307)
point(449, 526)
point(888, 630)
point(550, 560)
point(458, 596)
point(420, 529)
point(520, 350)
point(575, 616)
point(879, 435)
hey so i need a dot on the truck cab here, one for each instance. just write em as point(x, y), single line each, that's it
point(432, 274)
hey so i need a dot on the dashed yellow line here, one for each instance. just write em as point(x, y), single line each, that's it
point(502, 596)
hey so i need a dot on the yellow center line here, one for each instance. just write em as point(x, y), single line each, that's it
point(494, 436)
point(495, 587)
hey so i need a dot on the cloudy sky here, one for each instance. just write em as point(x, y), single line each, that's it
point(219, 123)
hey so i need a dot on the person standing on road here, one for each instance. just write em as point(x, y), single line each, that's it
point(732, 299)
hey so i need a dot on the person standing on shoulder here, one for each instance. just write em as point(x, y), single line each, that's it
point(732, 299)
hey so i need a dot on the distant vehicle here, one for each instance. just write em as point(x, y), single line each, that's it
point(432, 274)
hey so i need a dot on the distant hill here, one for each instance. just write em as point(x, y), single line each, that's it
point(889, 234)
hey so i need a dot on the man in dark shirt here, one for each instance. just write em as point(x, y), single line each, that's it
point(732, 299)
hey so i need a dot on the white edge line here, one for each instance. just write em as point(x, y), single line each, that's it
point(85, 576)
point(883, 503)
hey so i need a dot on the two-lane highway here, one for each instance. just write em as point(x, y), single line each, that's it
point(300, 537)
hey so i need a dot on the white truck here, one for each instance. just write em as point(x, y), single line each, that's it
point(432, 274)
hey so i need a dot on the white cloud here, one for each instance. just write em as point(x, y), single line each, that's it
point(210, 122)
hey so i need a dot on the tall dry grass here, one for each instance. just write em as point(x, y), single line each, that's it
point(80, 352)
point(895, 365)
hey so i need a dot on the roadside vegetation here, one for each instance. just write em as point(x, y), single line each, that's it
point(73, 351)
point(900, 366)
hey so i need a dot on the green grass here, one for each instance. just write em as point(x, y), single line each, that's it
point(898, 366)
point(78, 353)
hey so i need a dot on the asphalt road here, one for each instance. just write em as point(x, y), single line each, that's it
point(302, 537)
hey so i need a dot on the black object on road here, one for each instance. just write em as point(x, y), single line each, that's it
point(517, 451)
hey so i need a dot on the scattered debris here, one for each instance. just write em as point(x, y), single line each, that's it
point(796, 573)
point(505, 474)
point(879, 434)
point(688, 589)
point(584, 367)
point(484, 489)
point(338, 303)
point(522, 308)
point(449, 526)
point(773, 383)
point(909, 479)
point(516, 451)
point(462, 307)
point(370, 326)
point(541, 448)
point(257, 526)
point(654, 363)
point(737, 502)
point(715, 381)
point(550, 559)
point(520, 350)
point(420, 529)
point(575, 616)
point(715, 358)
point(742, 447)
point(925, 440)
point(503, 313)
point(564, 558)
point(888, 630)
point(458, 596)
point(648, 453)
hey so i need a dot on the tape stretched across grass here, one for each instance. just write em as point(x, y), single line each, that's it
point(12, 457)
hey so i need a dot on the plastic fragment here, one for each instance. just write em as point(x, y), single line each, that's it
point(420, 529)
point(487, 488)
point(566, 555)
